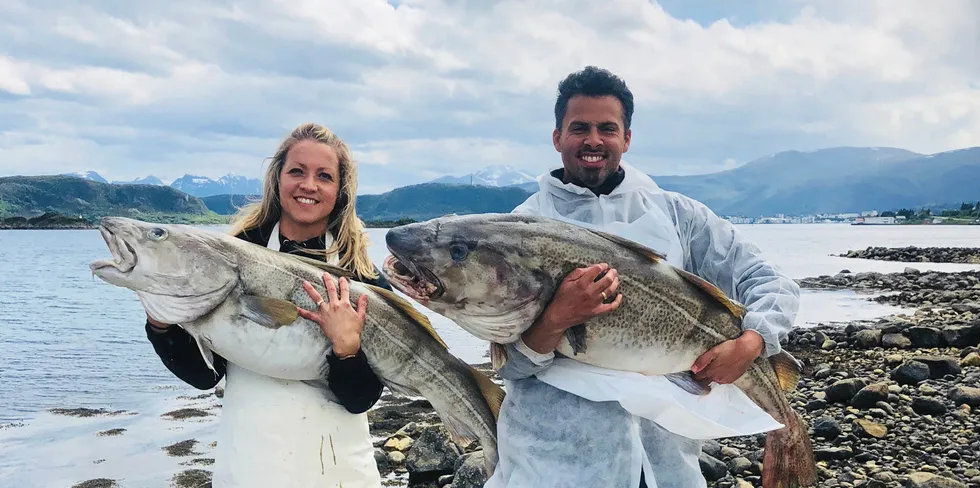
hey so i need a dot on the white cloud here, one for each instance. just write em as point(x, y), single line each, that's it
point(432, 87)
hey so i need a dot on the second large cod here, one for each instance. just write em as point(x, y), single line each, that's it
point(493, 274)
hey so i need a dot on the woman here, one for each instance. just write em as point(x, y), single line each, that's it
point(286, 433)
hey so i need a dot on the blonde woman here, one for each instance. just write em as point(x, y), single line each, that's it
point(287, 433)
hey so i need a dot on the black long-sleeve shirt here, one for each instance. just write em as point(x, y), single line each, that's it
point(356, 386)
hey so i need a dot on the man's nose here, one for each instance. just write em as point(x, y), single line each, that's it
point(593, 138)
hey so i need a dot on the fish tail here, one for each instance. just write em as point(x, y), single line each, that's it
point(788, 456)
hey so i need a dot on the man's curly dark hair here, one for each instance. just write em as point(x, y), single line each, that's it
point(593, 82)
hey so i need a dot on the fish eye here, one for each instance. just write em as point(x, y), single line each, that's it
point(458, 252)
point(157, 234)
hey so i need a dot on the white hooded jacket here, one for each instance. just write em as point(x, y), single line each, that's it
point(567, 424)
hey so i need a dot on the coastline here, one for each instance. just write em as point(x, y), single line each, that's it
point(56, 221)
point(884, 399)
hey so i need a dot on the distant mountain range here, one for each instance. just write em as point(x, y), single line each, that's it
point(832, 180)
point(198, 186)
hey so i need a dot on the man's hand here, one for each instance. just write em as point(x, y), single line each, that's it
point(729, 360)
point(578, 299)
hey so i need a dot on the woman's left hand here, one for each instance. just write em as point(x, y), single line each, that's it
point(337, 318)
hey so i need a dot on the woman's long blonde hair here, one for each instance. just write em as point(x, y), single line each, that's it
point(350, 240)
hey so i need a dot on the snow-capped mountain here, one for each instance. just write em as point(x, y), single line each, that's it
point(202, 186)
point(88, 175)
point(497, 175)
point(148, 180)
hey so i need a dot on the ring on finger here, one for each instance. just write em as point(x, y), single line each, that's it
point(319, 303)
point(604, 297)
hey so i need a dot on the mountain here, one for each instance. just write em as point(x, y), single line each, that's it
point(227, 204)
point(149, 180)
point(841, 179)
point(88, 175)
point(202, 186)
point(498, 175)
point(430, 200)
point(73, 196)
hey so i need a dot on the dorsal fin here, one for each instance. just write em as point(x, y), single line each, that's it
point(417, 317)
point(322, 266)
point(713, 291)
point(651, 254)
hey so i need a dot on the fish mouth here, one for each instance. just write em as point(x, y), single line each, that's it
point(123, 255)
point(413, 280)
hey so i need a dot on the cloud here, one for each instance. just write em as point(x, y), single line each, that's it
point(424, 88)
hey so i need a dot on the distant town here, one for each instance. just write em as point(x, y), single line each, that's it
point(968, 213)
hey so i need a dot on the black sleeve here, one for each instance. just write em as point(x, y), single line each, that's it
point(355, 384)
point(180, 354)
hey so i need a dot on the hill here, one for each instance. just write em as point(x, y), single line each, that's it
point(29, 196)
point(430, 200)
point(843, 179)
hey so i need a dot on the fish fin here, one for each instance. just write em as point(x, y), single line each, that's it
point(787, 370)
point(336, 271)
point(206, 354)
point(492, 392)
point(714, 292)
point(498, 355)
point(576, 338)
point(458, 431)
point(401, 304)
point(686, 381)
point(269, 312)
point(651, 254)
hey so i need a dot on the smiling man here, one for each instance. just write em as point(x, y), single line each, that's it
point(550, 437)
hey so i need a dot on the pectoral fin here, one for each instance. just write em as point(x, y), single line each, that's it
point(576, 338)
point(787, 370)
point(686, 381)
point(269, 312)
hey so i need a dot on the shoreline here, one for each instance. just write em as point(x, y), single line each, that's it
point(56, 221)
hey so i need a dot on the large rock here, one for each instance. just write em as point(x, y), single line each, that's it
point(910, 373)
point(964, 395)
point(470, 471)
point(895, 341)
point(940, 366)
point(826, 427)
point(711, 468)
point(433, 454)
point(928, 406)
point(844, 390)
point(924, 337)
point(962, 335)
point(932, 480)
point(868, 338)
point(870, 395)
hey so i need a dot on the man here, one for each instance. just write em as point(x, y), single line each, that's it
point(550, 437)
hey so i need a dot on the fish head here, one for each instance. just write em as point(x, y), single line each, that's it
point(474, 270)
point(179, 272)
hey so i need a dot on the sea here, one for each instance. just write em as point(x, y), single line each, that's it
point(69, 340)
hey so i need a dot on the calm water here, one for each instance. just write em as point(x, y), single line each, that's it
point(68, 339)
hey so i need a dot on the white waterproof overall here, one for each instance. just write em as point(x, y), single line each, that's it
point(280, 433)
point(532, 455)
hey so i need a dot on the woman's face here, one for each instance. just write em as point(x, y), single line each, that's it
point(309, 183)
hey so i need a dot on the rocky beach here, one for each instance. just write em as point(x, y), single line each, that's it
point(891, 402)
point(911, 254)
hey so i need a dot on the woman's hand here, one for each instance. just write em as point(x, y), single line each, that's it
point(337, 318)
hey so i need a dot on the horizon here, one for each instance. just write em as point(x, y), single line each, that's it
point(419, 88)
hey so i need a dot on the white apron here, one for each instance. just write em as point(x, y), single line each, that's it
point(281, 433)
point(724, 412)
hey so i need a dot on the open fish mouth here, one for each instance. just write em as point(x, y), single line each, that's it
point(415, 281)
point(123, 255)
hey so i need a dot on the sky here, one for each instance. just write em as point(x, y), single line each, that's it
point(425, 88)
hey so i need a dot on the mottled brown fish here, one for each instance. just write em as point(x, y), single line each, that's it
point(240, 300)
point(493, 274)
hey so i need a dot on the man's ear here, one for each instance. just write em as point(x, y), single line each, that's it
point(555, 137)
point(628, 135)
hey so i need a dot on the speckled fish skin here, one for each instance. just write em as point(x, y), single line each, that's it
point(239, 300)
point(493, 274)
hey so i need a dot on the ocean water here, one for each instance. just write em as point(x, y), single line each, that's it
point(69, 340)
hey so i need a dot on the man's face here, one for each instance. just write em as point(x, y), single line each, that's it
point(591, 140)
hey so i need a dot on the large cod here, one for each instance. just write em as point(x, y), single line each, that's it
point(240, 300)
point(493, 274)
